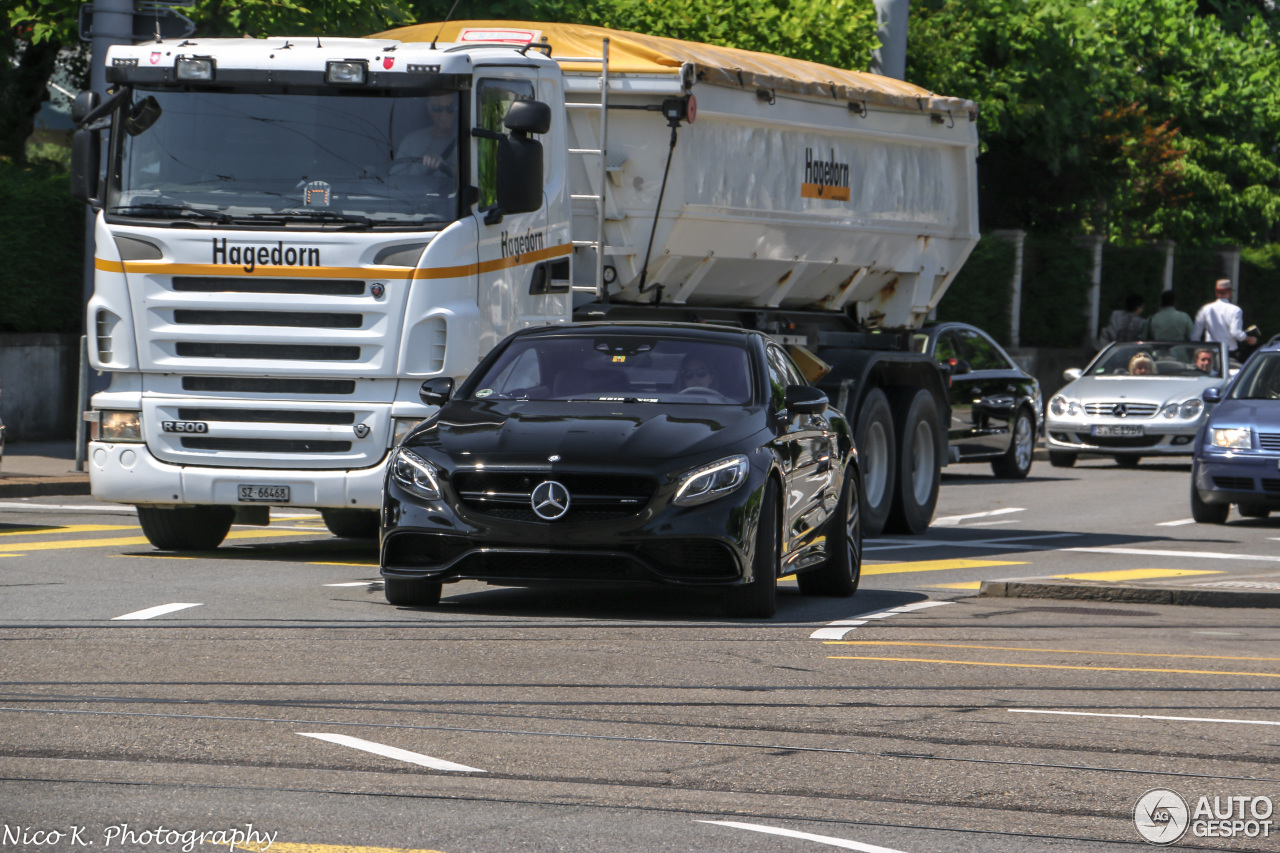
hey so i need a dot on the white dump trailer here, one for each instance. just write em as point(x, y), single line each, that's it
point(294, 233)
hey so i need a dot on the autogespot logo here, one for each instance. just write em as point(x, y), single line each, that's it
point(1161, 816)
point(550, 500)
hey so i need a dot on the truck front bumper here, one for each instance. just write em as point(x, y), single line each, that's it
point(128, 473)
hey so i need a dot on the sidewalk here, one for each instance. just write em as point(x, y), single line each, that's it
point(39, 468)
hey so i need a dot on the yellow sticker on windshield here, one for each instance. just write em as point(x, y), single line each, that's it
point(617, 358)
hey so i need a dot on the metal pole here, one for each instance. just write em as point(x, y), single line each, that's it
point(890, 59)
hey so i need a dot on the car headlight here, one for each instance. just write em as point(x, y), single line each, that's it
point(116, 426)
point(1237, 438)
point(1191, 408)
point(1062, 406)
point(402, 427)
point(711, 481)
point(415, 474)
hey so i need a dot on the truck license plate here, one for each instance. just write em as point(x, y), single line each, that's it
point(1125, 431)
point(274, 494)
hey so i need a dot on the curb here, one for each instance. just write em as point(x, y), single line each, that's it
point(32, 487)
point(1046, 588)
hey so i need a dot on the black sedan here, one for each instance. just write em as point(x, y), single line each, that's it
point(683, 455)
point(995, 405)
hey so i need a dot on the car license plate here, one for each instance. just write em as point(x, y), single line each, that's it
point(1123, 431)
point(274, 494)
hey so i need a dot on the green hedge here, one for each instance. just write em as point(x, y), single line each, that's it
point(980, 292)
point(42, 251)
point(1259, 293)
point(1055, 292)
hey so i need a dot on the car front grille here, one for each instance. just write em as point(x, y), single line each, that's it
point(592, 497)
point(1234, 484)
point(1269, 440)
point(423, 550)
point(1271, 485)
point(1131, 410)
point(516, 565)
point(692, 559)
point(1119, 442)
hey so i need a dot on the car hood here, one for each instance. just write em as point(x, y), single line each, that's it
point(640, 435)
point(1148, 389)
point(1261, 415)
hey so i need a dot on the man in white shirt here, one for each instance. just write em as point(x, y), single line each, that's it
point(1221, 320)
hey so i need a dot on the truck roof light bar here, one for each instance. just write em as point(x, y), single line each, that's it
point(346, 72)
point(202, 68)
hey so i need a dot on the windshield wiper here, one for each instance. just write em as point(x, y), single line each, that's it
point(171, 211)
point(312, 215)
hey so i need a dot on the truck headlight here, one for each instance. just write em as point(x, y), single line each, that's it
point(117, 426)
point(711, 481)
point(194, 68)
point(400, 427)
point(415, 474)
point(1235, 438)
point(346, 71)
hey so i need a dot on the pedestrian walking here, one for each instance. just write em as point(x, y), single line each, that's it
point(1124, 325)
point(1168, 324)
point(1221, 320)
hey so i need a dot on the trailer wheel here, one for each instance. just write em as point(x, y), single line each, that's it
point(351, 523)
point(919, 470)
point(186, 528)
point(877, 451)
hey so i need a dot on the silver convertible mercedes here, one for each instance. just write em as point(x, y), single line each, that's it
point(1134, 400)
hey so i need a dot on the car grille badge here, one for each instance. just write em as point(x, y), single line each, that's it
point(550, 500)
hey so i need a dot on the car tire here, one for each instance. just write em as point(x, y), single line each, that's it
point(1254, 510)
point(758, 598)
point(919, 471)
point(839, 575)
point(1015, 464)
point(1061, 459)
point(1207, 513)
point(186, 528)
point(351, 523)
point(1127, 461)
point(411, 592)
point(877, 451)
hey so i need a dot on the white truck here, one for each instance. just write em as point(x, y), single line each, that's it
point(294, 233)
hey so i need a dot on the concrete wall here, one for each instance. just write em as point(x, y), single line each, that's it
point(38, 386)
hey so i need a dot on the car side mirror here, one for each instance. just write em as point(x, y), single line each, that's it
point(1211, 395)
point(805, 400)
point(1071, 374)
point(435, 392)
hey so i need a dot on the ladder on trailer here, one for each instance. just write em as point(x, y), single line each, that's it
point(597, 245)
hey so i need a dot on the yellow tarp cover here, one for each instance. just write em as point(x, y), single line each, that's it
point(634, 53)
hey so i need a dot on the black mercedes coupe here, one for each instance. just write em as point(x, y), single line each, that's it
point(676, 454)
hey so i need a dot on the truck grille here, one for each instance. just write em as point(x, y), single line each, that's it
point(592, 497)
point(266, 416)
point(293, 319)
point(262, 385)
point(266, 445)
point(290, 352)
point(303, 287)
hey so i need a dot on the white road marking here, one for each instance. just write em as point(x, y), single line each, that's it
point(1177, 523)
point(393, 752)
point(152, 612)
point(6, 505)
point(806, 836)
point(1203, 555)
point(837, 630)
point(355, 583)
point(1147, 717)
point(951, 520)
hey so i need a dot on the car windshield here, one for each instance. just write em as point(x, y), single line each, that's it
point(275, 158)
point(1159, 359)
point(1259, 379)
point(619, 368)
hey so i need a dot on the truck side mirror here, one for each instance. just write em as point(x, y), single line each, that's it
point(85, 153)
point(528, 117)
point(519, 174)
point(84, 104)
point(435, 392)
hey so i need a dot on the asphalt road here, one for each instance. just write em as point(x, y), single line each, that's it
point(269, 684)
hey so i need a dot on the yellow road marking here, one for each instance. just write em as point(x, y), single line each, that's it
point(1062, 666)
point(70, 528)
point(278, 847)
point(149, 557)
point(969, 585)
point(1136, 574)
point(13, 555)
point(1024, 649)
point(137, 540)
point(787, 578)
point(933, 566)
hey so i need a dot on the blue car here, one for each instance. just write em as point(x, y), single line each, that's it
point(1237, 454)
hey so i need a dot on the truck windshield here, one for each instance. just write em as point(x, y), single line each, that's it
point(315, 158)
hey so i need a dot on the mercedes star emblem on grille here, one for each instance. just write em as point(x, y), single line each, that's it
point(550, 500)
point(1119, 411)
